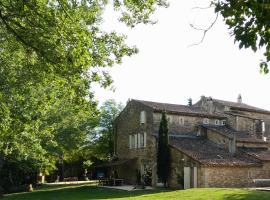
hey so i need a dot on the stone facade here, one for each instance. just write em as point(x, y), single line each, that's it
point(241, 117)
point(223, 126)
point(128, 123)
point(233, 176)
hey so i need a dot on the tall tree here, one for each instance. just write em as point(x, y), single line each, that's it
point(103, 140)
point(189, 102)
point(51, 54)
point(163, 154)
point(249, 22)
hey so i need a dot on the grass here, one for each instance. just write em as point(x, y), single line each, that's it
point(87, 192)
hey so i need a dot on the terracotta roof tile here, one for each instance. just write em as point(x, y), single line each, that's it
point(259, 153)
point(210, 154)
point(240, 106)
point(175, 108)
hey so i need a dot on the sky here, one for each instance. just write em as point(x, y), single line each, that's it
point(169, 69)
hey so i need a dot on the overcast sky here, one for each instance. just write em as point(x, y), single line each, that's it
point(167, 69)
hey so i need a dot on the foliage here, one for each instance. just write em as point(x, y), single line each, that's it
point(90, 192)
point(102, 140)
point(51, 53)
point(87, 163)
point(147, 176)
point(249, 22)
point(163, 154)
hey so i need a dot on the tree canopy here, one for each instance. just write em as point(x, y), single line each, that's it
point(249, 22)
point(51, 53)
point(102, 139)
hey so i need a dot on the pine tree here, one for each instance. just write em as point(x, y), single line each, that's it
point(163, 155)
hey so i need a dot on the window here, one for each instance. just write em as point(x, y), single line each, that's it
point(205, 121)
point(216, 122)
point(137, 140)
point(223, 122)
point(263, 126)
point(142, 140)
point(133, 141)
point(143, 117)
point(181, 121)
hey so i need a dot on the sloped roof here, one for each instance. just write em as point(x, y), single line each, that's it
point(241, 136)
point(209, 154)
point(241, 106)
point(261, 154)
point(176, 108)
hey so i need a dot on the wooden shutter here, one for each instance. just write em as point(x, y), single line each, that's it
point(136, 141)
point(186, 177)
point(144, 139)
point(139, 140)
point(195, 182)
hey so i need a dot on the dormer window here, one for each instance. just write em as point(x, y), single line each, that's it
point(216, 122)
point(205, 121)
point(223, 122)
point(143, 117)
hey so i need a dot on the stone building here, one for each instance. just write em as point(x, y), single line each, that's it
point(213, 143)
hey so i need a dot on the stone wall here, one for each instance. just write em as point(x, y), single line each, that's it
point(179, 124)
point(233, 176)
point(127, 171)
point(264, 117)
point(237, 122)
point(215, 176)
point(218, 138)
point(128, 123)
point(178, 162)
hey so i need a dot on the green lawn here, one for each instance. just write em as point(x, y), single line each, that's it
point(90, 192)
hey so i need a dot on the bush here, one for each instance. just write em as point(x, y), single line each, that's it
point(15, 189)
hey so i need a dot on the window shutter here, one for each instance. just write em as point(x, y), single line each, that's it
point(139, 140)
point(130, 141)
point(263, 126)
point(136, 141)
point(144, 139)
point(143, 117)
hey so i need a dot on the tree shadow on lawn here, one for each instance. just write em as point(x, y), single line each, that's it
point(249, 195)
point(78, 193)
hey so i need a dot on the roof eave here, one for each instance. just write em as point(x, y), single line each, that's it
point(251, 110)
point(191, 114)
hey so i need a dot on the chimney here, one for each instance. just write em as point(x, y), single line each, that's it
point(239, 99)
point(211, 105)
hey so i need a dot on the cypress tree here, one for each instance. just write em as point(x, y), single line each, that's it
point(189, 102)
point(163, 154)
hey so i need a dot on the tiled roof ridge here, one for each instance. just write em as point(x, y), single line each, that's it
point(212, 154)
point(172, 104)
point(178, 108)
point(240, 105)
